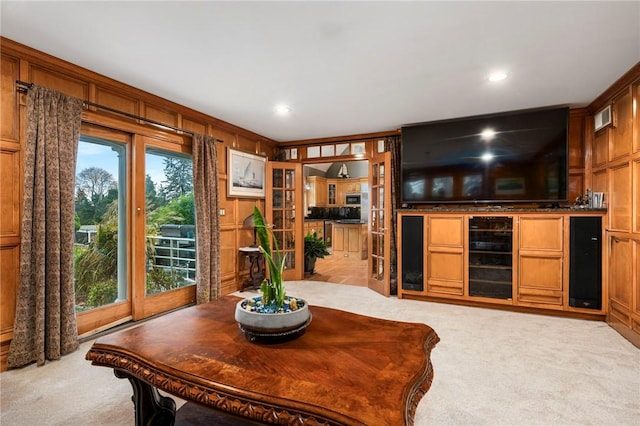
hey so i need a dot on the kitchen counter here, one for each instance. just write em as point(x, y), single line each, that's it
point(350, 240)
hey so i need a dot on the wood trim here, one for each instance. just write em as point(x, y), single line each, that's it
point(621, 84)
point(52, 63)
point(334, 139)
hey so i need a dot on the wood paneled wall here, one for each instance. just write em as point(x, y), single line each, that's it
point(19, 62)
point(615, 170)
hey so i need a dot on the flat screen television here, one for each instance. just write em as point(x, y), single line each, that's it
point(514, 157)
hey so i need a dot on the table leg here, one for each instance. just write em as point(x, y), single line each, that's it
point(151, 408)
point(255, 271)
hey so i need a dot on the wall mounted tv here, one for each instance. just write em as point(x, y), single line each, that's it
point(515, 157)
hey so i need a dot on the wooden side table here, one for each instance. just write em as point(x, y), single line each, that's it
point(256, 267)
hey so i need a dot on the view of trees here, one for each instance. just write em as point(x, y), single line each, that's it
point(167, 202)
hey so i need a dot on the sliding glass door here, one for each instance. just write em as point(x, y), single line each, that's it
point(135, 229)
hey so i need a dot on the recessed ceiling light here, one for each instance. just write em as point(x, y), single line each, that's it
point(488, 134)
point(486, 157)
point(283, 109)
point(497, 76)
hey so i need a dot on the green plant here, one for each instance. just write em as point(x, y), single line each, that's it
point(315, 246)
point(103, 293)
point(273, 291)
point(160, 280)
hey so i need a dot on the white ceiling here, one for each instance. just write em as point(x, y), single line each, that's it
point(343, 67)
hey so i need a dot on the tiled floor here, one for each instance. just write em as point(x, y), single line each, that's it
point(340, 270)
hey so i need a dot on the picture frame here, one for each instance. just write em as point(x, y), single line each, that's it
point(246, 174)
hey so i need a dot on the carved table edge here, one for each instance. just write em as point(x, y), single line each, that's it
point(424, 380)
point(215, 398)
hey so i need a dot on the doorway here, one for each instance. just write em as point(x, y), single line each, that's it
point(336, 207)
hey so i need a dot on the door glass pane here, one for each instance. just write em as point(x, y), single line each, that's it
point(277, 178)
point(289, 219)
point(100, 267)
point(279, 239)
point(277, 219)
point(289, 178)
point(289, 199)
point(277, 199)
point(170, 221)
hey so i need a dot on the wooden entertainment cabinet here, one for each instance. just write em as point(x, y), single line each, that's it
point(520, 259)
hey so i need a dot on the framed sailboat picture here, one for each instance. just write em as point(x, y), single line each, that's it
point(245, 174)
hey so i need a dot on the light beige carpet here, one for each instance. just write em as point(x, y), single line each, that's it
point(491, 368)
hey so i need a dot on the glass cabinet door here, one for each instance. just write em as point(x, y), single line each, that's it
point(490, 257)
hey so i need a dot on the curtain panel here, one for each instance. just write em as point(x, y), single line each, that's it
point(205, 188)
point(45, 320)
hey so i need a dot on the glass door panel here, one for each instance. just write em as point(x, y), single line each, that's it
point(135, 236)
point(379, 249)
point(283, 199)
point(101, 267)
point(170, 221)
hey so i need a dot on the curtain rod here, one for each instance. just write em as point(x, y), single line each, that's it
point(23, 86)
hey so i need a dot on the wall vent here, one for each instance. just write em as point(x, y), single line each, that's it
point(602, 118)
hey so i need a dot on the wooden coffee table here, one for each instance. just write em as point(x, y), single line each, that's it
point(347, 369)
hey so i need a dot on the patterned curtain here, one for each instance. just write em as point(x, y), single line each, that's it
point(45, 321)
point(205, 188)
point(393, 146)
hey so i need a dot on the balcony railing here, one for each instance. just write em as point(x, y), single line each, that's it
point(175, 254)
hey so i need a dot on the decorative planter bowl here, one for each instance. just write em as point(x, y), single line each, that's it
point(267, 327)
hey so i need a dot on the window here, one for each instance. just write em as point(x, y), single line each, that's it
point(170, 221)
point(100, 263)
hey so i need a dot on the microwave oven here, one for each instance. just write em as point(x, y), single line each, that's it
point(352, 199)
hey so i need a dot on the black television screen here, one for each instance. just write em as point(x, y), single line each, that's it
point(499, 158)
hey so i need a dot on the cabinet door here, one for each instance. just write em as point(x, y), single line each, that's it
point(491, 257)
point(445, 256)
point(321, 193)
point(620, 281)
point(312, 192)
point(411, 253)
point(332, 193)
point(540, 261)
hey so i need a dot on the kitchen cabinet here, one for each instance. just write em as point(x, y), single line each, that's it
point(317, 191)
point(350, 240)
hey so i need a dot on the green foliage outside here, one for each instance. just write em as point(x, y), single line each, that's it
point(179, 174)
point(178, 211)
point(160, 280)
point(102, 293)
point(95, 265)
point(98, 262)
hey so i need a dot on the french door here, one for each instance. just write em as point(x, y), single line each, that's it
point(135, 238)
point(284, 211)
point(379, 223)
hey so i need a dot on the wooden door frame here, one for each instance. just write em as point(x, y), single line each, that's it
point(383, 287)
point(298, 190)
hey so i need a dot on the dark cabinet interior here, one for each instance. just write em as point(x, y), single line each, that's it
point(491, 257)
point(412, 253)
